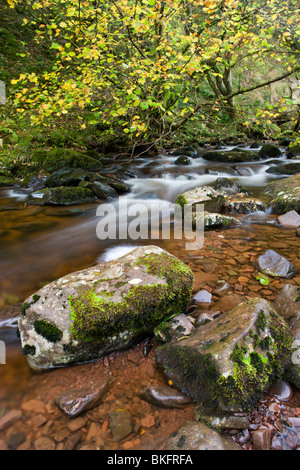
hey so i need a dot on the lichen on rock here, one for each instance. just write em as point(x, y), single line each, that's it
point(105, 308)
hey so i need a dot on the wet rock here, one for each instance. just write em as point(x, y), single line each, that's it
point(215, 364)
point(281, 390)
point(198, 436)
point(285, 193)
point(65, 196)
point(222, 289)
point(76, 424)
point(231, 156)
point(269, 151)
point(222, 420)
point(244, 206)
point(72, 442)
point(88, 314)
point(165, 397)
point(202, 297)
point(77, 400)
point(218, 221)
point(175, 328)
point(35, 405)
point(228, 187)
point(286, 169)
point(290, 219)
point(65, 177)
point(100, 190)
point(10, 418)
point(261, 439)
point(121, 425)
point(118, 185)
point(275, 265)
point(182, 161)
point(16, 440)
point(44, 443)
point(211, 199)
point(293, 151)
point(185, 151)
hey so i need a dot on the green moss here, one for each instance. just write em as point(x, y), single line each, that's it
point(28, 350)
point(24, 307)
point(261, 322)
point(95, 317)
point(35, 298)
point(48, 331)
point(181, 201)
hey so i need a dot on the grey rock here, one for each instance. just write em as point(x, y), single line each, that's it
point(108, 307)
point(177, 327)
point(207, 364)
point(77, 400)
point(121, 425)
point(165, 397)
point(198, 436)
point(275, 265)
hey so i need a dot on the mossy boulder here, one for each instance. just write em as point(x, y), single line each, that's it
point(182, 161)
point(285, 194)
point(227, 186)
point(65, 177)
point(293, 151)
point(286, 169)
point(109, 307)
point(185, 151)
point(231, 156)
point(59, 158)
point(64, 196)
point(228, 363)
point(100, 190)
point(8, 181)
point(211, 199)
point(269, 151)
point(118, 185)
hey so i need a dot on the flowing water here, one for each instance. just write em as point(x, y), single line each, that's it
point(41, 243)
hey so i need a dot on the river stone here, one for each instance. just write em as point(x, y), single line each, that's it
point(286, 169)
point(182, 161)
point(226, 364)
point(285, 194)
point(65, 177)
point(108, 307)
point(176, 327)
point(217, 221)
point(293, 151)
point(290, 219)
point(269, 151)
point(287, 303)
point(231, 156)
point(101, 190)
point(65, 196)
point(211, 199)
point(275, 265)
point(198, 436)
point(165, 397)
point(222, 420)
point(75, 401)
point(228, 187)
point(243, 206)
point(120, 424)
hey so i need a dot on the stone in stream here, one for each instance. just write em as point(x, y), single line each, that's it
point(185, 151)
point(269, 151)
point(100, 190)
point(290, 219)
point(286, 169)
point(121, 425)
point(77, 400)
point(165, 397)
point(243, 206)
point(176, 327)
point(211, 199)
point(226, 364)
point(229, 187)
point(64, 196)
point(182, 161)
point(231, 156)
point(275, 265)
point(287, 303)
point(198, 436)
point(285, 194)
point(108, 307)
point(293, 151)
point(65, 177)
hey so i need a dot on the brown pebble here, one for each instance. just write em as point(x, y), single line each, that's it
point(262, 439)
point(72, 442)
point(10, 418)
point(76, 424)
point(44, 443)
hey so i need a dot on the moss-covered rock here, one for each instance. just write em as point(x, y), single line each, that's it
point(228, 363)
point(231, 156)
point(106, 308)
point(59, 158)
point(182, 161)
point(211, 199)
point(286, 169)
point(100, 190)
point(8, 181)
point(293, 151)
point(65, 196)
point(269, 151)
point(285, 194)
point(65, 177)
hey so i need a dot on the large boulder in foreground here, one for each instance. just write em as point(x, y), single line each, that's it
point(226, 364)
point(88, 314)
point(285, 194)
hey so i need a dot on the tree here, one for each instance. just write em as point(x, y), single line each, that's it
point(144, 68)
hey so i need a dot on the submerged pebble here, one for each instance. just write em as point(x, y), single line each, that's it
point(165, 397)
